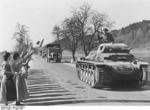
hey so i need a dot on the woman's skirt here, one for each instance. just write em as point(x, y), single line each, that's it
point(21, 88)
point(8, 89)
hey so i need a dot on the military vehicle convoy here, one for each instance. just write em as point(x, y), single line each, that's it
point(54, 52)
point(111, 62)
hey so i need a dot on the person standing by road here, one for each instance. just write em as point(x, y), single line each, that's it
point(21, 86)
point(8, 89)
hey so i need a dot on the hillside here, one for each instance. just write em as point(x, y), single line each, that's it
point(136, 35)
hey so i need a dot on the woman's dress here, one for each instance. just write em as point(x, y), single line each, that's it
point(8, 89)
point(21, 87)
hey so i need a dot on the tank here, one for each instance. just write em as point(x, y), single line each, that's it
point(111, 62)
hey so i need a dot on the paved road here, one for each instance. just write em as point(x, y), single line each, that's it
point(57, 83)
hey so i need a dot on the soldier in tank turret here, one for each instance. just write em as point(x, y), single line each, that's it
point(109, 37)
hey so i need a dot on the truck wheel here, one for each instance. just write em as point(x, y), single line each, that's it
point(58, 60)
point(78, 72)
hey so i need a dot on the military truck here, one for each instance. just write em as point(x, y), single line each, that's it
point(54, 52)
point(111, 62)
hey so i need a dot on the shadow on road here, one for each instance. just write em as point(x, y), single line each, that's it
point(86, 102)
point(59, 62)
point(46, 91)
point(126, 86)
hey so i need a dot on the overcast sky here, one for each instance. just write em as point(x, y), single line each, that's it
point(41, 15)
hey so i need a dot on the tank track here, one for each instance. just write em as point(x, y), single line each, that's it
point(91, 75)
point(144, 76)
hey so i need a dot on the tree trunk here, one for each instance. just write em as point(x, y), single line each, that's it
point(85, 52)
point(73, 55)
point(83, 43)
point(58, 41)
point(73, 49)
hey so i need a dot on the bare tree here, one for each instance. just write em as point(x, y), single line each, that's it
point(57, 31)
point(71, 32)
point(22, 37)
point(85, 26)
point(100, 21)
point(82, 15)
point(90, 42)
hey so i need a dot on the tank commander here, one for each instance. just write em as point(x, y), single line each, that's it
point(109, 37)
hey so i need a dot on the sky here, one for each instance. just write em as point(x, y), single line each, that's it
point(41, 15)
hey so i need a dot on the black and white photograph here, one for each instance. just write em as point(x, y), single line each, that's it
point(88, 53)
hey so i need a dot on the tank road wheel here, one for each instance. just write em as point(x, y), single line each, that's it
point(84, 72)
point(91, 72)
point(86, 76)
point(97, 78)
point(92, 82)
point(89, 77)
point(80, 72)
point(81, 75)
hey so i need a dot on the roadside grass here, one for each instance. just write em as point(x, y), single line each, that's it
point(142, 54)
point(67, 56)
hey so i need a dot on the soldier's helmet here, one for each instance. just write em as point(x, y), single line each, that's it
point(106, 30)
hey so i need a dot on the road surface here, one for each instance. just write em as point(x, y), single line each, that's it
point(57, 84)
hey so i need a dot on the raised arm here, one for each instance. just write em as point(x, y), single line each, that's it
point(13, 72)
point(22, 60)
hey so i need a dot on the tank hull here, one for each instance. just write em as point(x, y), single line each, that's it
point(112, 72)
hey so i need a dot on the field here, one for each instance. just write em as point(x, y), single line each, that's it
point(67, 56)
point(142, 54)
